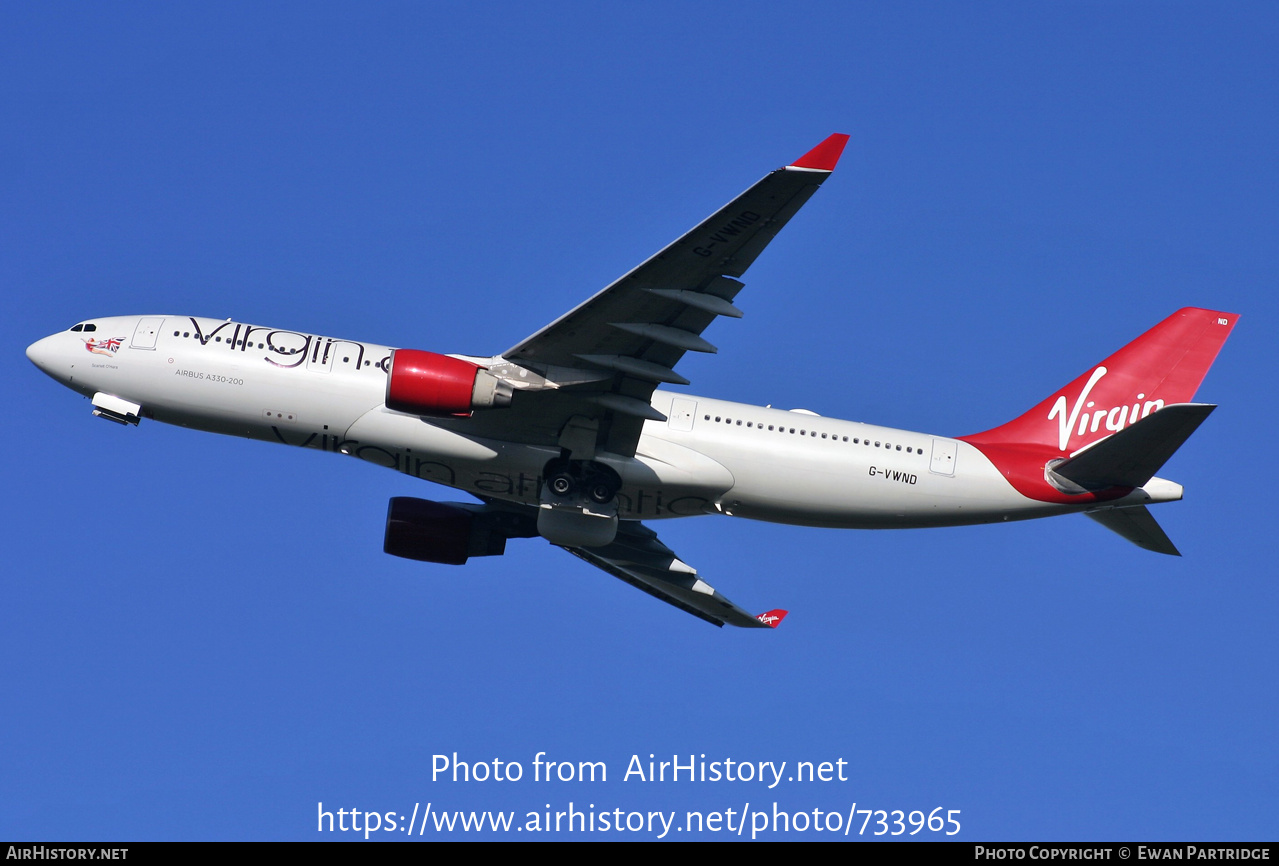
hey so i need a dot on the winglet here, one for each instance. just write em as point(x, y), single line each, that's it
point(824, 156)
point(773, 618)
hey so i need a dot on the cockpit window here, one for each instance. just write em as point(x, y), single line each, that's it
point(85, 326)
point(79, 327)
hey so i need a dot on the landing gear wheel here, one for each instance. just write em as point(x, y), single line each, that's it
point(586, 482)
point(602, 493)
point(561, 484)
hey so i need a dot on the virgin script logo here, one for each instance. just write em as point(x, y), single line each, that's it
point(1090, 419)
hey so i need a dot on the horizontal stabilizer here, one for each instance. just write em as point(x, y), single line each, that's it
point(1132, 456)
point(1137, 525)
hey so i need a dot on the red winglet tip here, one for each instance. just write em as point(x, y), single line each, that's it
point(773, 618)
point(825, 155)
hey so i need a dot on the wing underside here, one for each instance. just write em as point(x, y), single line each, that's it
point(637, 557)
point(604, 358)
point(584, 384)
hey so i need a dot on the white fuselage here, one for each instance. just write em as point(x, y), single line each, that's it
point(709, 456)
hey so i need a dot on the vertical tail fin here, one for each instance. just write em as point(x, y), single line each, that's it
point(1163, 366)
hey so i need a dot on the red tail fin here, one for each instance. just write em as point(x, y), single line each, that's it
point(1163, 366)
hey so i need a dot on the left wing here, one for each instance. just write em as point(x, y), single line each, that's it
point(602, 361)
point(639, 558)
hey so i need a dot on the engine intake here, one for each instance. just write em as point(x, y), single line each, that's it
point(424, 383)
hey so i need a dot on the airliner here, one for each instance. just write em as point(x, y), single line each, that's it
point(567, 436)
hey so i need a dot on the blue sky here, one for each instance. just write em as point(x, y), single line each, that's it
point(201, 638)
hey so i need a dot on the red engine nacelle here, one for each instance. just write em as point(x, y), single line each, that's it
point(450, 532)
point(428, 531)
point(425, 383)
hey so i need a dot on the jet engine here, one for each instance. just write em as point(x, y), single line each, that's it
point(450, 532)
point(424, 383)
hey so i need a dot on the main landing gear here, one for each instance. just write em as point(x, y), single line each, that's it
point(566, 478)
point(578, 503)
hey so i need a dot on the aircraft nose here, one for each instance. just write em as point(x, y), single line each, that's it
point(44, 354)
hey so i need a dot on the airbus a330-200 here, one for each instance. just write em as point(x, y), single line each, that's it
point(567, 435)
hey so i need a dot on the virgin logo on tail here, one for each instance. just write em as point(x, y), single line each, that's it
point(1090, 420)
